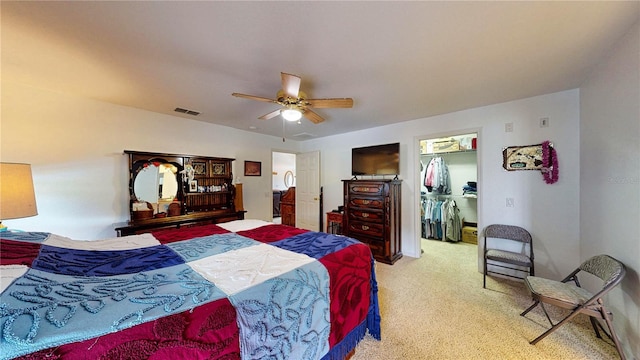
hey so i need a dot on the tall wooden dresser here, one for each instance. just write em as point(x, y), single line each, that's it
point(372, 215)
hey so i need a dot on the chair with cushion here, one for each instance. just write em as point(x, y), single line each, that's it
point(517, 258)
point(568, 294)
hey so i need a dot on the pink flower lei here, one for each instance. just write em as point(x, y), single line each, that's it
point(549, 163)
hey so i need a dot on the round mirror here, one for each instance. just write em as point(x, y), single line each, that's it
point(155, 183)
point(288, 179)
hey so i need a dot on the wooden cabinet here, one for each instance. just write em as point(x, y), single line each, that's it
point(288, 207)
point(211, 188)
point(372, 215)
point(180, 190)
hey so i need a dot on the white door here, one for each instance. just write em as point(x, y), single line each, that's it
point(308, 191)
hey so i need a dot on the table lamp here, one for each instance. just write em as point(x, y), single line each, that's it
point(17, 198)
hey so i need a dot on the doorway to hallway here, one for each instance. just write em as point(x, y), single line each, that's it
point(283, 171)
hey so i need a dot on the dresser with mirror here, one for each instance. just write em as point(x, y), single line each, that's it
point(170, 191)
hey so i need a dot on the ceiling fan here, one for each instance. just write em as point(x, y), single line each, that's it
point(295, 103)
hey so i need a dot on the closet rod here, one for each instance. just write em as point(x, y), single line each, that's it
point(431, 196)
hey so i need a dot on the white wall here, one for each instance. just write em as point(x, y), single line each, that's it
point(549, 212)
point(75, 146)
point(610, 176)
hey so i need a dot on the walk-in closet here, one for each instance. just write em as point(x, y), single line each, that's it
point(448, 197)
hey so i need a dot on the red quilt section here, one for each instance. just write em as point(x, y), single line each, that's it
point(208, 332)
point(18, 252)
point(349, 273)
point(167, 236)
point(271, 233)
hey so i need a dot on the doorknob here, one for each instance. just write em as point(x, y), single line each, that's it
point(315, 198)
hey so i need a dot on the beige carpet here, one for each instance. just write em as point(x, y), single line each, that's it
point(435, 308)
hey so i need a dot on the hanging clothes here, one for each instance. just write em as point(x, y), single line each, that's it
point(454, 224)
point(437, 179)
point(441, 220)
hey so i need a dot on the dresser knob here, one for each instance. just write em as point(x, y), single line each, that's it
point(366, 202)
point(365, 215)
point(365, 227)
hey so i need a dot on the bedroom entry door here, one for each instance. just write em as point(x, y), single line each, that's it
point(308, 191)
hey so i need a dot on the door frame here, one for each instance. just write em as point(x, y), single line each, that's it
point(272, 168)
point(416, 175)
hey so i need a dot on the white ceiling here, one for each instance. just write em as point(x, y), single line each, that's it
point(399, 61)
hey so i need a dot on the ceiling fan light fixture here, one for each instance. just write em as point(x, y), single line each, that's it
point(291, 113)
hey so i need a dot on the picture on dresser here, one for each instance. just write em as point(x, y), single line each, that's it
point(218, 169)
point(199, 167)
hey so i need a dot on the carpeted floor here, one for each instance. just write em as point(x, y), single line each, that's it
point(435, 308)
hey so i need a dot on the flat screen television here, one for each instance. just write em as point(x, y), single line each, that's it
point(376, 160)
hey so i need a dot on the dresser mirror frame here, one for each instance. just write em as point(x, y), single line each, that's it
point(213, 203)
point(138, 162)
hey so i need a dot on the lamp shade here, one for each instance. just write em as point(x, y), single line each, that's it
point(17, 198)
point(291, 113)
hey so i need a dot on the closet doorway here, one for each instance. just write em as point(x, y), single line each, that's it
point(449, 188)
point(283, 170)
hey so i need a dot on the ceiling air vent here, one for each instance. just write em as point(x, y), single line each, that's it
point(304, 136)
point(187, 111)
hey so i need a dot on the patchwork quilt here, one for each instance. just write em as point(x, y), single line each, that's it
point(246, 289)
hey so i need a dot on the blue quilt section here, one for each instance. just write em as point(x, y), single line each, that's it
point(286, 317)
point(315, 244)
point(198, 248)
point(42, 310)
point(34, 236)
point(76, 262)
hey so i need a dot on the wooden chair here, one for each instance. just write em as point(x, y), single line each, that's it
point(568, 294)
point(507, 259)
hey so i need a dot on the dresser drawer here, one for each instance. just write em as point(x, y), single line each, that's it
point(372, 216)
point(372, 189)
point(367, 228)
point(364, 202)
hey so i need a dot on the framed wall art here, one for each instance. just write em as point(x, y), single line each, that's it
point(252, 168)
point(527, 157)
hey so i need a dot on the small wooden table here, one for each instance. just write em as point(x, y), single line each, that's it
point(334, 223)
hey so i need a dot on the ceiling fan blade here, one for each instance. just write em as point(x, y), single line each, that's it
point(270, 115)
point(312, 116)
point(290, 85)
point(330, 103)
point(254, 98)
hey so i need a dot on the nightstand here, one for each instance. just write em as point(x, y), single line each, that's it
point(334, 223)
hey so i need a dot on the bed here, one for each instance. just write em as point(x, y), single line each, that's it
point(245, 289)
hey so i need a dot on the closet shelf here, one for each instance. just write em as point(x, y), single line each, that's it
point(449, 152)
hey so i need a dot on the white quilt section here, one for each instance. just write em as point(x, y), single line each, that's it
point(243, 225)
point(8, 273)
point(121, 243)
point(237, 270)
